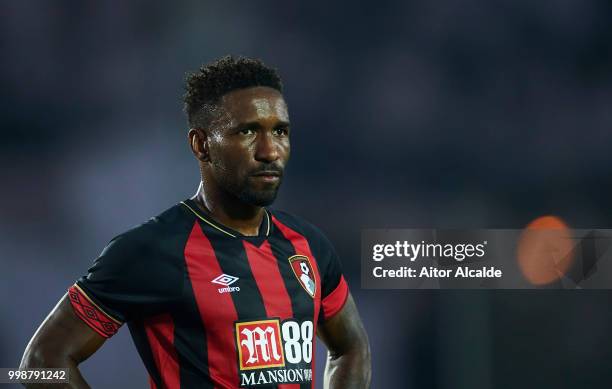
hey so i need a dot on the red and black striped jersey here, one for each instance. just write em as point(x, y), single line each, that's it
point(208, 307)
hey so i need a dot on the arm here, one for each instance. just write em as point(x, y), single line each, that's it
point(348, 363)
point(63, 340)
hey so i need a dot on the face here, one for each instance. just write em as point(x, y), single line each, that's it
point(248, 146)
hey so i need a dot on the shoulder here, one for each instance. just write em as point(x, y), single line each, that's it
point(171, 224)
point(146, 259)
point(296, 223)
point(141, 270)
point(175, 220)
point(293, 228)
point(313, 234)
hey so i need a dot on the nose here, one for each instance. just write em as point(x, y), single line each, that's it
point(267, 148)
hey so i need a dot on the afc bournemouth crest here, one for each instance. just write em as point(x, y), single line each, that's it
point(300, 264)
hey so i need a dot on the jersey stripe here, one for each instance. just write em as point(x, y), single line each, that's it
point(269, 280)
point(233, 261)
point(334, 302)
point(139, 335)
point(271, 285)
point(202, 267)
point(248, 302)
point(191, 343)
point(160, 334)
point(301, 246)
point(300, 300)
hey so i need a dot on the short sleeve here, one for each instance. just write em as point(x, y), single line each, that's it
point(132, 278)
point(334, 289)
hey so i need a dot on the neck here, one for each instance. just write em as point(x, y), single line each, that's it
point(229, 210)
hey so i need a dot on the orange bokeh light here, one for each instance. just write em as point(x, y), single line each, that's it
point(545, 250)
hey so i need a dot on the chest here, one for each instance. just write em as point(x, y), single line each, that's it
point(238, 280)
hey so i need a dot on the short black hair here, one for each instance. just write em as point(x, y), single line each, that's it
point(205, 87)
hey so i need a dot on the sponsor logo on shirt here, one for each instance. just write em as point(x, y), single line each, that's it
point(226, 280)
point(271, 352)
point(259, 344)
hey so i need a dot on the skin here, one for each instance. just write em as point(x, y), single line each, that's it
point(348, 357)
point(62, 341)
point(242, 156)
point(249, 137)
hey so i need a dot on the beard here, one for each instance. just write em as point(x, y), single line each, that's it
point(260, 198)
point(243, 188)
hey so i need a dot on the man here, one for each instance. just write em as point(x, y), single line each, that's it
point(219, 291)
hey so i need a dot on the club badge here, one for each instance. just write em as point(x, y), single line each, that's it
point(300, 264)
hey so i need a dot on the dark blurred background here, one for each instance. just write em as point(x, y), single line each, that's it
point(405, 114)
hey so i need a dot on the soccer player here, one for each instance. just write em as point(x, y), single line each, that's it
point(219, 291)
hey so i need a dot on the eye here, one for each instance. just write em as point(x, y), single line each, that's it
point(247, 131)
point(281, 131)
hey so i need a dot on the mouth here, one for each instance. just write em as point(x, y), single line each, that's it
point(267, 176)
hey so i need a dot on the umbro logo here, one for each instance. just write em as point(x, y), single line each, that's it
point(226, 280)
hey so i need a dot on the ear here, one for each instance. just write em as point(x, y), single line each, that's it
point(198, 140)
